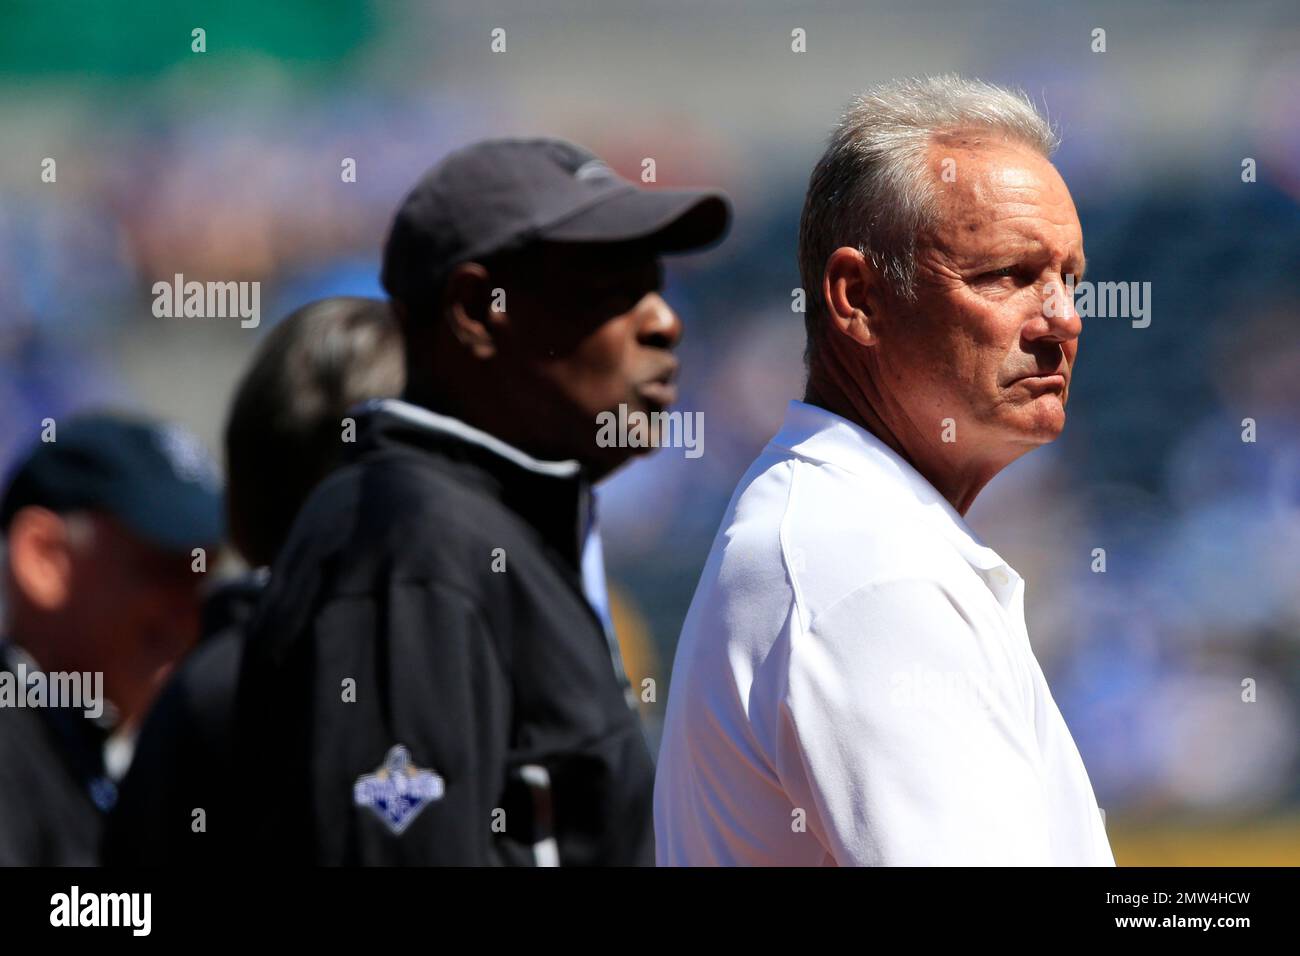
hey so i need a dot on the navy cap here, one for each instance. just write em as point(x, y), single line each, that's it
point(502, 194)
point(154, 477)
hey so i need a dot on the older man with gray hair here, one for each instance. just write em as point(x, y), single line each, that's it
point(854, 683)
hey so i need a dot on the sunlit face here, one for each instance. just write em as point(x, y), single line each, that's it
point(979, 346)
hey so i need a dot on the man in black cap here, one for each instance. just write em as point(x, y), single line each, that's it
point(432, 678)
point(102, 585)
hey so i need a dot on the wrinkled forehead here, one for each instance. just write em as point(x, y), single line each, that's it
point(987, 187)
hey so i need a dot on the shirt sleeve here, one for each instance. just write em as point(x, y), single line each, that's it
point(413, 667)
point(906, 737)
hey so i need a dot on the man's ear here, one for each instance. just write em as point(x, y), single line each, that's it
point(468, 309)
point(40, 557)
point(851, 288)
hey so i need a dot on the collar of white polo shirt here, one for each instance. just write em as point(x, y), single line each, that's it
point(816, 434)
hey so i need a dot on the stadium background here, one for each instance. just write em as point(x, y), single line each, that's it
point(225, 165)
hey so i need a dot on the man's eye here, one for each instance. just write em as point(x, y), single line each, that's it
point(1006, 272)
point(617, 302)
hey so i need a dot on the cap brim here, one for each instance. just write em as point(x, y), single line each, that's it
point(669, 220)
point(189, 517)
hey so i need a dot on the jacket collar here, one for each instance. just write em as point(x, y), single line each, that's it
point(553, 496)
point(820, 435)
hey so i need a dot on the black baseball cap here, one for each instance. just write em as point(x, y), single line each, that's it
point(154, 477)
point(500, 195)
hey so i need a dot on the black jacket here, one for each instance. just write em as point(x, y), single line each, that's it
point(53, 786)
point(425, 681)
point(184, 756)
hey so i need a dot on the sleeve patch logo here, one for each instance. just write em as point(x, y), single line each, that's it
point(398, 790)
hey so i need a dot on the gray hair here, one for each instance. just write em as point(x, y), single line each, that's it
point(870, 190)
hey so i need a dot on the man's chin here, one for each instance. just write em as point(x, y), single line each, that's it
point(1043, 419)
point(603, 462)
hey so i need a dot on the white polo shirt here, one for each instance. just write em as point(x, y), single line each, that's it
point(854, 683)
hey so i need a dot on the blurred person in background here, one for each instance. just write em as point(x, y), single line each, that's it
point(100, 578)
point(854, 683)
point(433, 677)
point(285, 432)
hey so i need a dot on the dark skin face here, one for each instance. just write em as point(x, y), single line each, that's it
point(979, 346)
point(105, 601)
point(582, 329)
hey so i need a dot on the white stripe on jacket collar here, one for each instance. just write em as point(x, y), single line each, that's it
point(445, 424)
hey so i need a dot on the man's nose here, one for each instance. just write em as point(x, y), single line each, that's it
point(657, 324)
point(1057, 320)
